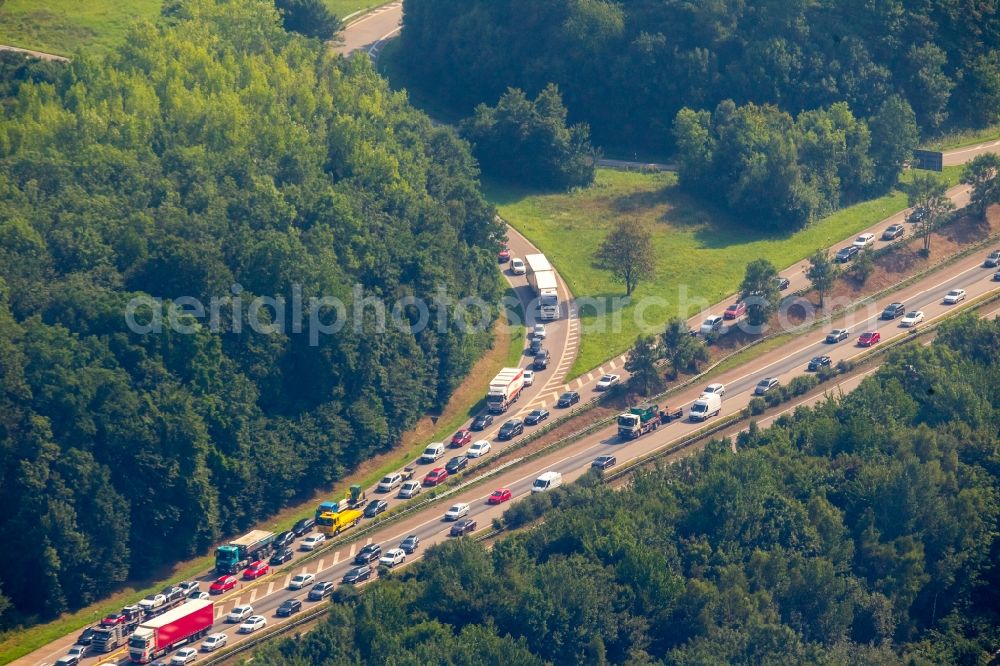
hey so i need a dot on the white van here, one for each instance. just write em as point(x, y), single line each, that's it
point(432, 453)
point(547, 481)
point(709, 404)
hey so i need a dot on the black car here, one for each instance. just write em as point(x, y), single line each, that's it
point(541, 360)
point(303, 527)
point(463, 527)
point(893, 310)
point(375, 507)
point(836, 335)
point(511, 428)
point(359, 574)
point(604, 462)
point(917, 214)
point(783, 282)
point(288, 607)
point(819, 362)
point(284, 540)
point(320, 590)
point(86, 637)
point(482, 422)
point(280, 557)
point(457, 464)
point(410, 544)
point(846, 254)
point(568, 399)
point(536, 416)
point(369, 553)
point(536, 345)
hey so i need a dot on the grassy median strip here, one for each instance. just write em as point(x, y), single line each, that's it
point(700, 249)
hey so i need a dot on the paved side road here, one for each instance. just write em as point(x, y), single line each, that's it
point(37, 54)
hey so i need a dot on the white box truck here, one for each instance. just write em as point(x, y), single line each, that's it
point(542, 279)
point(505, 389)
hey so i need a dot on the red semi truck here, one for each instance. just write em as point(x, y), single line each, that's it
point(158, 636)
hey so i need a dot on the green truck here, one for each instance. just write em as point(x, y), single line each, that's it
point(639, 420)
point(237, 554)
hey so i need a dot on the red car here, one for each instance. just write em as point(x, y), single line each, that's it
point(461, 438)
point(735, 310)
point(868, 338)
point(435, 476)
point(499, 496)
point(504, 255)
point(256, 570)
point(112, 619)
point(224, 584)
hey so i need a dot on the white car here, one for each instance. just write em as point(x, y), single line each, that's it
point(393, 557)
point(301, 580)
point(239, 613)
point(183, 656)
point(389, 482)
point(715, 389)
point(864, 240)
point(252, 624)
point(529, 377)
point(214, 642)
point(954, 296)
point(607, 381)
point(539, 331)
point(199, 595)
point(912, 318)
point(517, 266)
point(152, 601)
point(312, 541)
point(458, 511)
point(479, 449)
point(78, 651)
point(409, 489)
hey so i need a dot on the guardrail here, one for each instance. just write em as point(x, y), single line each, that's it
point(630, 467)
point(868, 357)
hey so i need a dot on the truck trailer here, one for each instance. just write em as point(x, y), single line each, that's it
point(505, 389)
point(156, 637)
point(237, 555)
point(114, 632)
point(542, 279)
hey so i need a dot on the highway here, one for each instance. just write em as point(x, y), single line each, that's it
point(574, 459)
point(562, 340)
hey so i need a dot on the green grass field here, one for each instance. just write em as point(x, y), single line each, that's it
point(66, 26)
point(700, 249)
point(963, 139)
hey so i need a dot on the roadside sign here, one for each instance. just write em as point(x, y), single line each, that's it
point(931, 160)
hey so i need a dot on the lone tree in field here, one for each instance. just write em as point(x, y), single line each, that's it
point(821, 274)
point(982, 173)
point(926, 194)
point(628, 253)
point(681, 349)
point(641, 363)
point(760, 291)
point(311, 18)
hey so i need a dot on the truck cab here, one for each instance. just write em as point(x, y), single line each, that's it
point(638, 421)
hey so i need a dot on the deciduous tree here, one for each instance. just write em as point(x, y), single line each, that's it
point(822, 273)
point(627, 251)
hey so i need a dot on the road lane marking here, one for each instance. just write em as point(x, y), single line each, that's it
point(270, 588)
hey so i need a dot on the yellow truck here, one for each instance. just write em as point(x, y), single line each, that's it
point(332, 518)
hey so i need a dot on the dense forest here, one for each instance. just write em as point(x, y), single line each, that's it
point(861, 531)
point(627, 67)
point(212, 156)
